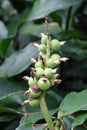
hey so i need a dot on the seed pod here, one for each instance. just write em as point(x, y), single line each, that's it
point(32, 81)
point(44, 83)
point(50, 63)
point(48, 73)
point(42, 48)
point(55, 57)
point(38, 72)
point(44, 39)
point(39, 64)
point(35, 91)
point(34, 101)
point(55, 45)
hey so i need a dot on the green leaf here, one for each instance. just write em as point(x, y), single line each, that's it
point(4, 44)
point(8, 86)
point(71, 34)
point(3, 31)
point(6, 118)
point(79, 120)
point(73, 50)
point(16, 22)
point(45, 7)
point(27, 127)
point(36, 29)
point(72, 103)
point(18, 61)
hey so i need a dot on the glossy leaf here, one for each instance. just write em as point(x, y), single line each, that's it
point(8, 86)
point(79, 120)
point(36, 29)
point(72, 103)
point(3, 31)
point(18, 61)
point(49, 6)
point(4, 44)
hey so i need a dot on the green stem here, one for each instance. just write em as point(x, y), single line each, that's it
point(45, 112)
point(68, 21)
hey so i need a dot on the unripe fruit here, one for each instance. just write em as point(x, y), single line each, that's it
point(48, 72)
point(39, 72)
point(39, 64)
point(55, 57)
point(44, 84)
point(33, 93)
point(32, 81)
point(34, 101)
point(42, 47)
point(55, 45)
point(50, 63)
point(44, 39)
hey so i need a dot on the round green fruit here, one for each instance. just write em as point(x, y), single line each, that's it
point(55, 57)
point(48, 72)
point(34, 101)
point(50, 63)
point(44, 39)
point(39, 64)
point(44, 84)
point(33, 93)
point(42, 48)
point(39, 72)
point(55, 45)
point(32, 81)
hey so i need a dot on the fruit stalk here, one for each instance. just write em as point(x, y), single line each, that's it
point(43, 105)
point(45, 112)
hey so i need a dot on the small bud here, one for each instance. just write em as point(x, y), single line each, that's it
point(25, 102)
point(25, 78)
point(26, 93)
point(62, 43)
point(35, 45)
point(32, 60)
point(42, 34)
point(57, 61)
point(54, 70)
point(58, 81)
point(64, 59)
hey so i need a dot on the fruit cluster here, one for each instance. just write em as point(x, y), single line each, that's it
point(44, 74)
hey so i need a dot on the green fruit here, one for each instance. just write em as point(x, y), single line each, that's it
point(39, 64)
point(50, 63)
point(44, 39)
point(34, 101)
point(44, 84)
point(55, 45)
point(33, 93)
point(39, 72)
point(42, 47)
point(48, 72)
point(55, 57)
point(32, 81)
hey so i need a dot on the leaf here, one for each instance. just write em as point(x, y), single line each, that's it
point(6, 118)
point(16, 22)
point(73, 50)
point(4, 44)
point(72, 103)
point(3, 31)
point(18, 61)
point(8, 86)
point(49, 6)
point(36, 29)
point(71, 34)
point(79, 120)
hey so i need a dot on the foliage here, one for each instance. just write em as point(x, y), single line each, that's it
point(20, 26)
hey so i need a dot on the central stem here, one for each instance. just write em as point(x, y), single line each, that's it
point(45, 112)
point(43, 105)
